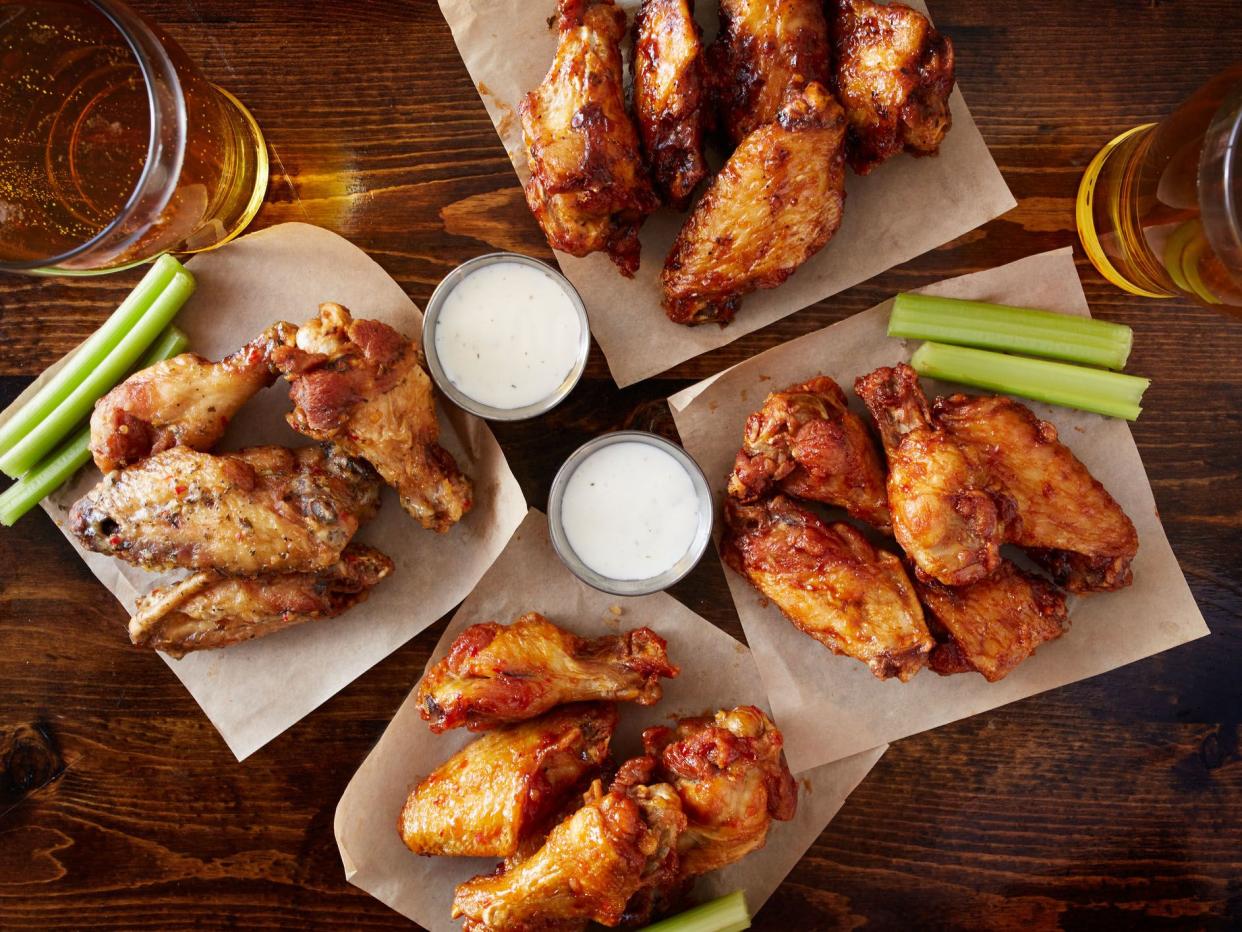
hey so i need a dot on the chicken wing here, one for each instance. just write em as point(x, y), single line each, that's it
point(764, 48)
point(261, 510)
point(496, 673)
point(808, 443)
point(669, 98)
point(830, 583)
point(497, 791)
point(588, 185)
point(893, 74)
point(361, 385)
point(775, 204)
point(209, 610)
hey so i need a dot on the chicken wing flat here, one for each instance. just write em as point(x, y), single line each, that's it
point(764, 48)
point(894, 74)
point(588, 185)
point(497, 791)
point(670, 101)
point(806, 442)
point(496, 673)
point(361, 385)
point(208, 610)
point(261, 510)
point(775, 204)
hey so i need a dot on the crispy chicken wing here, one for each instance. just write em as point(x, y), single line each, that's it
point(588, 185)
point(775, 204)
point(808, 443)
point(261, 510)
point(894, 74)
point(209, 610)
point(361, 385)
point(497, 673)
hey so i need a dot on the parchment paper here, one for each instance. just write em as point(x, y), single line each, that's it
point(898, 212)
point(830, 706)
point(254, 691)
point(716, 672)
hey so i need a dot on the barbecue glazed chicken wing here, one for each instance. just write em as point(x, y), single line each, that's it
point(588, 185)
point(670, 102)
point(775, 204)
point(499, 790)
point(361, 385)
point(894, 74)
point(496, 673)
point(208, 610)
point(806, 442)
point(260, 510)
point(830, 582)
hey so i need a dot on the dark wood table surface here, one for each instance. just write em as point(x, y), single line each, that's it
point(1113, 803)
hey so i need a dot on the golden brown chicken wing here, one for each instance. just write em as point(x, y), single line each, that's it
point(361, 385)
point(775, 204)
point(670, 101)
point(497, 791)
point(497, 673)
point(588, 185)
point(808, 443)
point(894, 74)
point(209, 610)
point(261, 510)
point(830, 582)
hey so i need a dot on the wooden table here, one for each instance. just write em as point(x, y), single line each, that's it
point(1114, 803)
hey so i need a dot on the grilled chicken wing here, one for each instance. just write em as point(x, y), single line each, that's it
point(261, 510)
point(775, 204)
point(497, 791)
point(894, 74)
point(588, 185)
point(669, 97)
point(830, 582)
point(361, 385)
point(209, 610)
point(808, 443)
point(764, 48)
point(184, 401)
point(497, 673)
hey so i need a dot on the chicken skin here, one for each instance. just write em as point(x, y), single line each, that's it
point(588, 185)
point(496, 673)
point(261, 510)
point(893, 75)
point(806, 442)
point(361, 385)
point(830, 583)
point(775, 204)
point(497, 791)
point(670, 101)
point(208, 610)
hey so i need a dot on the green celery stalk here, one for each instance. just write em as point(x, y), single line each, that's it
point(36, 444)
point(726, 914)
point(1058, 383)
point(1011, 329)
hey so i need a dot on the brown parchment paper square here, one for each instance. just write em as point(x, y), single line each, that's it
point(716, 672)
point(830, 706)
point(898, 212)
point(254, 691)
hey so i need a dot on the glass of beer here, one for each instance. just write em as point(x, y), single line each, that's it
point(1160, 207)
point(113, 147)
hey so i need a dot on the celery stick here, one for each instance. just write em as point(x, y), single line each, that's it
point(90, 354)
point(1058, 383)
point(726, 914)
point(99, 380)
point(1011, 329)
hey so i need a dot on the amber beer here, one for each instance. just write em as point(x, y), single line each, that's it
point(114, 148)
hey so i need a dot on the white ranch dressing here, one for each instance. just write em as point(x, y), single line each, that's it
point(507, 335)
point(630, 511)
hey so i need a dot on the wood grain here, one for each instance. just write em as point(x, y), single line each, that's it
point(1113, 803)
